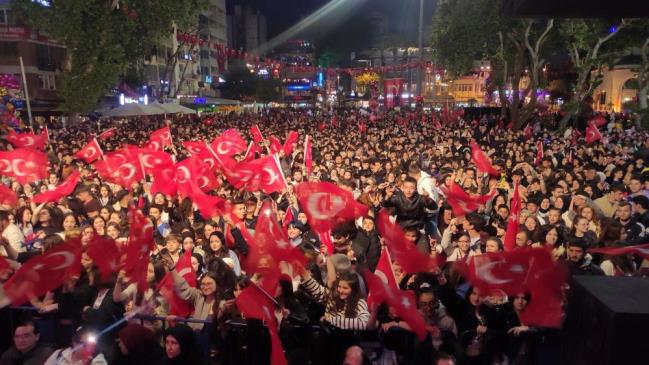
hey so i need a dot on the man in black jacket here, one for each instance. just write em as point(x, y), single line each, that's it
point(578, 262)
point(409, 206)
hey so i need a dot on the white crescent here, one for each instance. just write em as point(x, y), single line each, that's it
point(6, 168)
point(15, 165)
point(90, 152)
point(315, 200)
point(203, 182)
point(381, 276)
point(148, 164)
point(223, 150)
point(131, 171)
point(185, 174)
point(483, 271)
point(209, 162)
point(271, 178)
point(67, 262)
point(28, 141)
point(154, 145)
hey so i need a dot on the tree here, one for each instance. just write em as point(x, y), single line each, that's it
point(468, 30)
point(639, 30)
point(591, 44)
point(102, 40)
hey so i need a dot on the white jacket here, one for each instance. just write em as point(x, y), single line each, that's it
point(64, 357)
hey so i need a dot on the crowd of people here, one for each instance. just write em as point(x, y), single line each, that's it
point(575, 197)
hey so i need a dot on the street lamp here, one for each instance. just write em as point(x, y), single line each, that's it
point(420, 45)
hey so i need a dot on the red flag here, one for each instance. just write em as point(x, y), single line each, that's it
point(208, 205)
point(512, 224)
point(64, 189)
point(263, 174)
point(254, 303)
point(322, 126)
point(164, 180)
point(598, 121)
point(528, 131)
point(362, 128)
point(7, 196)
point(325, 240)
point(308, 155)
point(250, 152)
point(326, 204)
point(463, 203)
point(384, 269)
point(640, 250)
point(162, 135)
point(194, 147)
point(290, 140)
point(255, 133)
point(90, 152)
point(107, 134)
point(229, 143)
point(403, 302)
point(153, 160)
point(405, 253)
point(481, 160)
point(177, 305)
point(105, 254)
point(288, 218)
point(539, 153)
point(529, 270)
point(188, 171)
point(25, 165)
point(27, 140)
point(140, 243)
point(270, 240)
point(275, 145)
point(592, 134)
point(122, 168)
point(44, 273)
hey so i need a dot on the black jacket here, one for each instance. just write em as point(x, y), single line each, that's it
point(410, 212)
point(372, 251)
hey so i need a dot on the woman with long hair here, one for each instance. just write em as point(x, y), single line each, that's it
point(216, 247)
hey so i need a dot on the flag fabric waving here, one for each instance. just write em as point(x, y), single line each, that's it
point(592, 133)
point(463, 203)
point(63, 190)
point(640, 250)
point(539, 153)
point(7, 196)
point(308, 155)
point(28, 140)
point(291, 139)
point(325, 204)
point(229, 143)
point(137, 250)
point(91, 152)
point(105, 254)
point(177, 305)
point(255, 133)
point(107, 134)
point(481, 160)
point(24, 164)
point(512, 223)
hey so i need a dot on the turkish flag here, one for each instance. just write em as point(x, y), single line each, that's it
point(405, 253)
point(44, 273)
point(384, 269)
point(27, 140)
point(528, 131)
point(208, 205)
point(271, 241)
point(122, 168)
point(403, 302)
point(90, 152)
point(275, 144)
point(308, 155)
point(512, 223)
point(291, 139)
point(326, 241)
point(288, 218)
point(64, 189)
point(7, 196)
point(152, 160)
point(140, 243)
point(229, 143)
point(362, 128)
point(250, 152)
point(107, 134)
point(177, 305)
point(322, 127)
point(463, 203)
point(539, 153)
point(255, 133)
point(188, 171)
point(326, 204)
point(481, 160)
point(263, 174)
point(162, 135)
point(105, 254)
point(640, 250)
point(164, 180)
point(592, 134)
point(194, 147)
point(24, 164)
point(528, 270)
point(598, 121)
point(254, 303)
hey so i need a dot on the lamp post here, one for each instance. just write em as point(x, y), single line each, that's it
point(421, 46)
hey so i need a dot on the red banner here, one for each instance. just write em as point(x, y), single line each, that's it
point(392, 89)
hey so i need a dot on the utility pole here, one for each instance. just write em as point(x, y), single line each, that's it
point(29, 108)
point(421, 48)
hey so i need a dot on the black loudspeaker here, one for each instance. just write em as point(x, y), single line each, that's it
point(607, 321)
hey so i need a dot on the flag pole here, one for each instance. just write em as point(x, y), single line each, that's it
point(279, 167)
point(29, 108)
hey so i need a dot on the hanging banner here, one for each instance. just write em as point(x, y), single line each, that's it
point(392, 91)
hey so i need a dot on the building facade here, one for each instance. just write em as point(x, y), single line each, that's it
point(301, 82)
point(43, 59)
point(619, 86)
point(247, 28)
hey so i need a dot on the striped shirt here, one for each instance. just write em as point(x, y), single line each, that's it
point(337, 318)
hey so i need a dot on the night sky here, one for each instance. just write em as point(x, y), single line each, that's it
point(346, 28)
